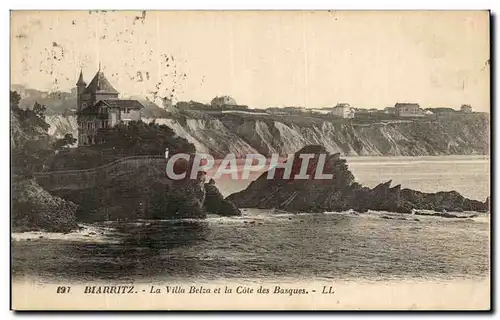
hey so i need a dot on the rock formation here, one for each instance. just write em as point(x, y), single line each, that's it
point(147, 193)
point(33, 208)
point(341, 192)
point(215, 202)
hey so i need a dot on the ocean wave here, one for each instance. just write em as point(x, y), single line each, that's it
point(85, 233)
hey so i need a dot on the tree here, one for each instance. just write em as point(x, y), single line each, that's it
point(39, 110)
point(139, 138)
point(30, 141)
point(14, 99)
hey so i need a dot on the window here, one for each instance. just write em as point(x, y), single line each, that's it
point(105, 124)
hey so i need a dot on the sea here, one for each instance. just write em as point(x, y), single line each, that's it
point(373, 246)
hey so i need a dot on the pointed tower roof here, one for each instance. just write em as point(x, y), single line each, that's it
point(100, 84)
point(80, 79)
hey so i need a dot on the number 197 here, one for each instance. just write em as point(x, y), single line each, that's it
point(63, 289)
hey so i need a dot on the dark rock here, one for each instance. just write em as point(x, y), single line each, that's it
point(341, 192)
point(144, 193)
point(34, 208)
point(215, 202)
point(444, 214)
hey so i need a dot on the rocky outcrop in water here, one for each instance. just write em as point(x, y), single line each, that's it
point(147, 193)
point(341, 192)
point(215, 202)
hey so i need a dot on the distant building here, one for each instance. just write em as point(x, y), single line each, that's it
point(223, 101)
point(466, 108)
point(98, 107)
point(343, 110)
point(408, 110)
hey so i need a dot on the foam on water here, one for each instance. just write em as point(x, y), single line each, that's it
point(85, 233)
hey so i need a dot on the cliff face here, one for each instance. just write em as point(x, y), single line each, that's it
point(242, 135)
point(468, 135)
point(60, 125)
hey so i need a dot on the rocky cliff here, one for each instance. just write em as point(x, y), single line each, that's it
point(33, 208)
point(340, 191)
point(260, 134)
point(145, 192)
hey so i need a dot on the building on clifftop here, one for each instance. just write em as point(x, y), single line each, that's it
point(343, 110)
point(98, 106)
point(408, 110)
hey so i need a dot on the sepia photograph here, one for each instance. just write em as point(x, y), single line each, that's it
point(250, 160)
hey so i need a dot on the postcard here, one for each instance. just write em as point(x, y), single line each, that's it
point(250, 160)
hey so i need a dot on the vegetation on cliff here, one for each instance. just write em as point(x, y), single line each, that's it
point(123, 140)
point(33, 208)
point(30, 142)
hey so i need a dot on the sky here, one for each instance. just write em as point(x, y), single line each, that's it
point(262, 59)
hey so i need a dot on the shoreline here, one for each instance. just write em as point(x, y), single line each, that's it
point(97, 231)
